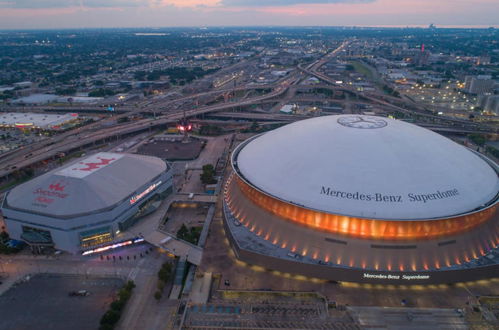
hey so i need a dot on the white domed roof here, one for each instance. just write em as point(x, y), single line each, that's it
point(369, 167)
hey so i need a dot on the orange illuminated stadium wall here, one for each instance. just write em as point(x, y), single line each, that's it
point(366, 228)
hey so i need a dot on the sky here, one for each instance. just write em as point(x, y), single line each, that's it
point(48, 14)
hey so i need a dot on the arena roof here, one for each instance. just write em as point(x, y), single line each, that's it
point(368, 167)
point(88, 185)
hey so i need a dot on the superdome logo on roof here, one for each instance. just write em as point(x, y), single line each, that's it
point(89, 165)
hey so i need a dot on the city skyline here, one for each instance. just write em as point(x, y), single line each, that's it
point(55, 14)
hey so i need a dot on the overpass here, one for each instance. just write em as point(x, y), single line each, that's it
point(379, 100)
point(85, 136)
point(259, 116)
point(293, 118)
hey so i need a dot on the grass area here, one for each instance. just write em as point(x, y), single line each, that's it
point(64, 159)
point(488, 300)
point(11, 184)
point(362, 69)
point(4, 249)
point(78, 154)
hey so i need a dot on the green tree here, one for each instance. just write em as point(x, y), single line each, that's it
point(165, 272)
point(254, 127)
point(111, 317)
point(208, 175)
point(117, 305)
point(123, 120)
point(478, 139)
point(182, 232)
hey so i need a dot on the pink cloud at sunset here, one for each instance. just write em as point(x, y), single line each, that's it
point(159, 13)
point(386, 7)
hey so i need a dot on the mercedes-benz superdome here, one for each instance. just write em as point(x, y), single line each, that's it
point(86, 203)
point(363, 198)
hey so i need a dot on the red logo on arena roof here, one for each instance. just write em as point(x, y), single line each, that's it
point(56, 187)
point(94, 166)
point(44, 200)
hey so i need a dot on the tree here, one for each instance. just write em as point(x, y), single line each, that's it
point(165, 272)
point(210, 130)
point(101, 92)
point(208, 175)
point(4, 236)
point(117, 305)
point(130, 285)
point(254, 127)
point(493, 151)
point(478, 139)
point(140, 75)
point(190, 235)
point(124, 294)
point(111, 317)
point(182, 232)
point(65, 91)
point(155, 75)
point(158, 295)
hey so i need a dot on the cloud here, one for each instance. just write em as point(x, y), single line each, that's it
point(47, 4)
point(271, 3)
point(37, 4)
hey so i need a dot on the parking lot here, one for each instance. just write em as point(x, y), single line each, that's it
point(231, 309)
point(172, 149)
point(44, 302)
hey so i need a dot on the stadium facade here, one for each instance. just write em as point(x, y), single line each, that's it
point(86, 203)
point(363, 199)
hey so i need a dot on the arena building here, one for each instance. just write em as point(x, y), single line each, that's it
point(85, 204)
point(363, 199)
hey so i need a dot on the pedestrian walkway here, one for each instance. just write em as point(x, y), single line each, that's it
point(201, 289)
point(178, 278)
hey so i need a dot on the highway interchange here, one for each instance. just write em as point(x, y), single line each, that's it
point(168, 111)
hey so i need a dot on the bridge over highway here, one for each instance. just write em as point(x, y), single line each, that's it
point(86, 135)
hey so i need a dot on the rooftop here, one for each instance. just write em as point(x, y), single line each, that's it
point(85, 186)
point(367, 167)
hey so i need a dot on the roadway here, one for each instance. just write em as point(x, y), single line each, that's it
point(381, 99)
point(98, 131)
point(87, 135)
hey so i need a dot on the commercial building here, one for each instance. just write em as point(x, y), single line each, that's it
point(288, 108)
point(85, 204)
point(363, 199)
point(35, 120)
point(490, 103)
point(480, 84)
